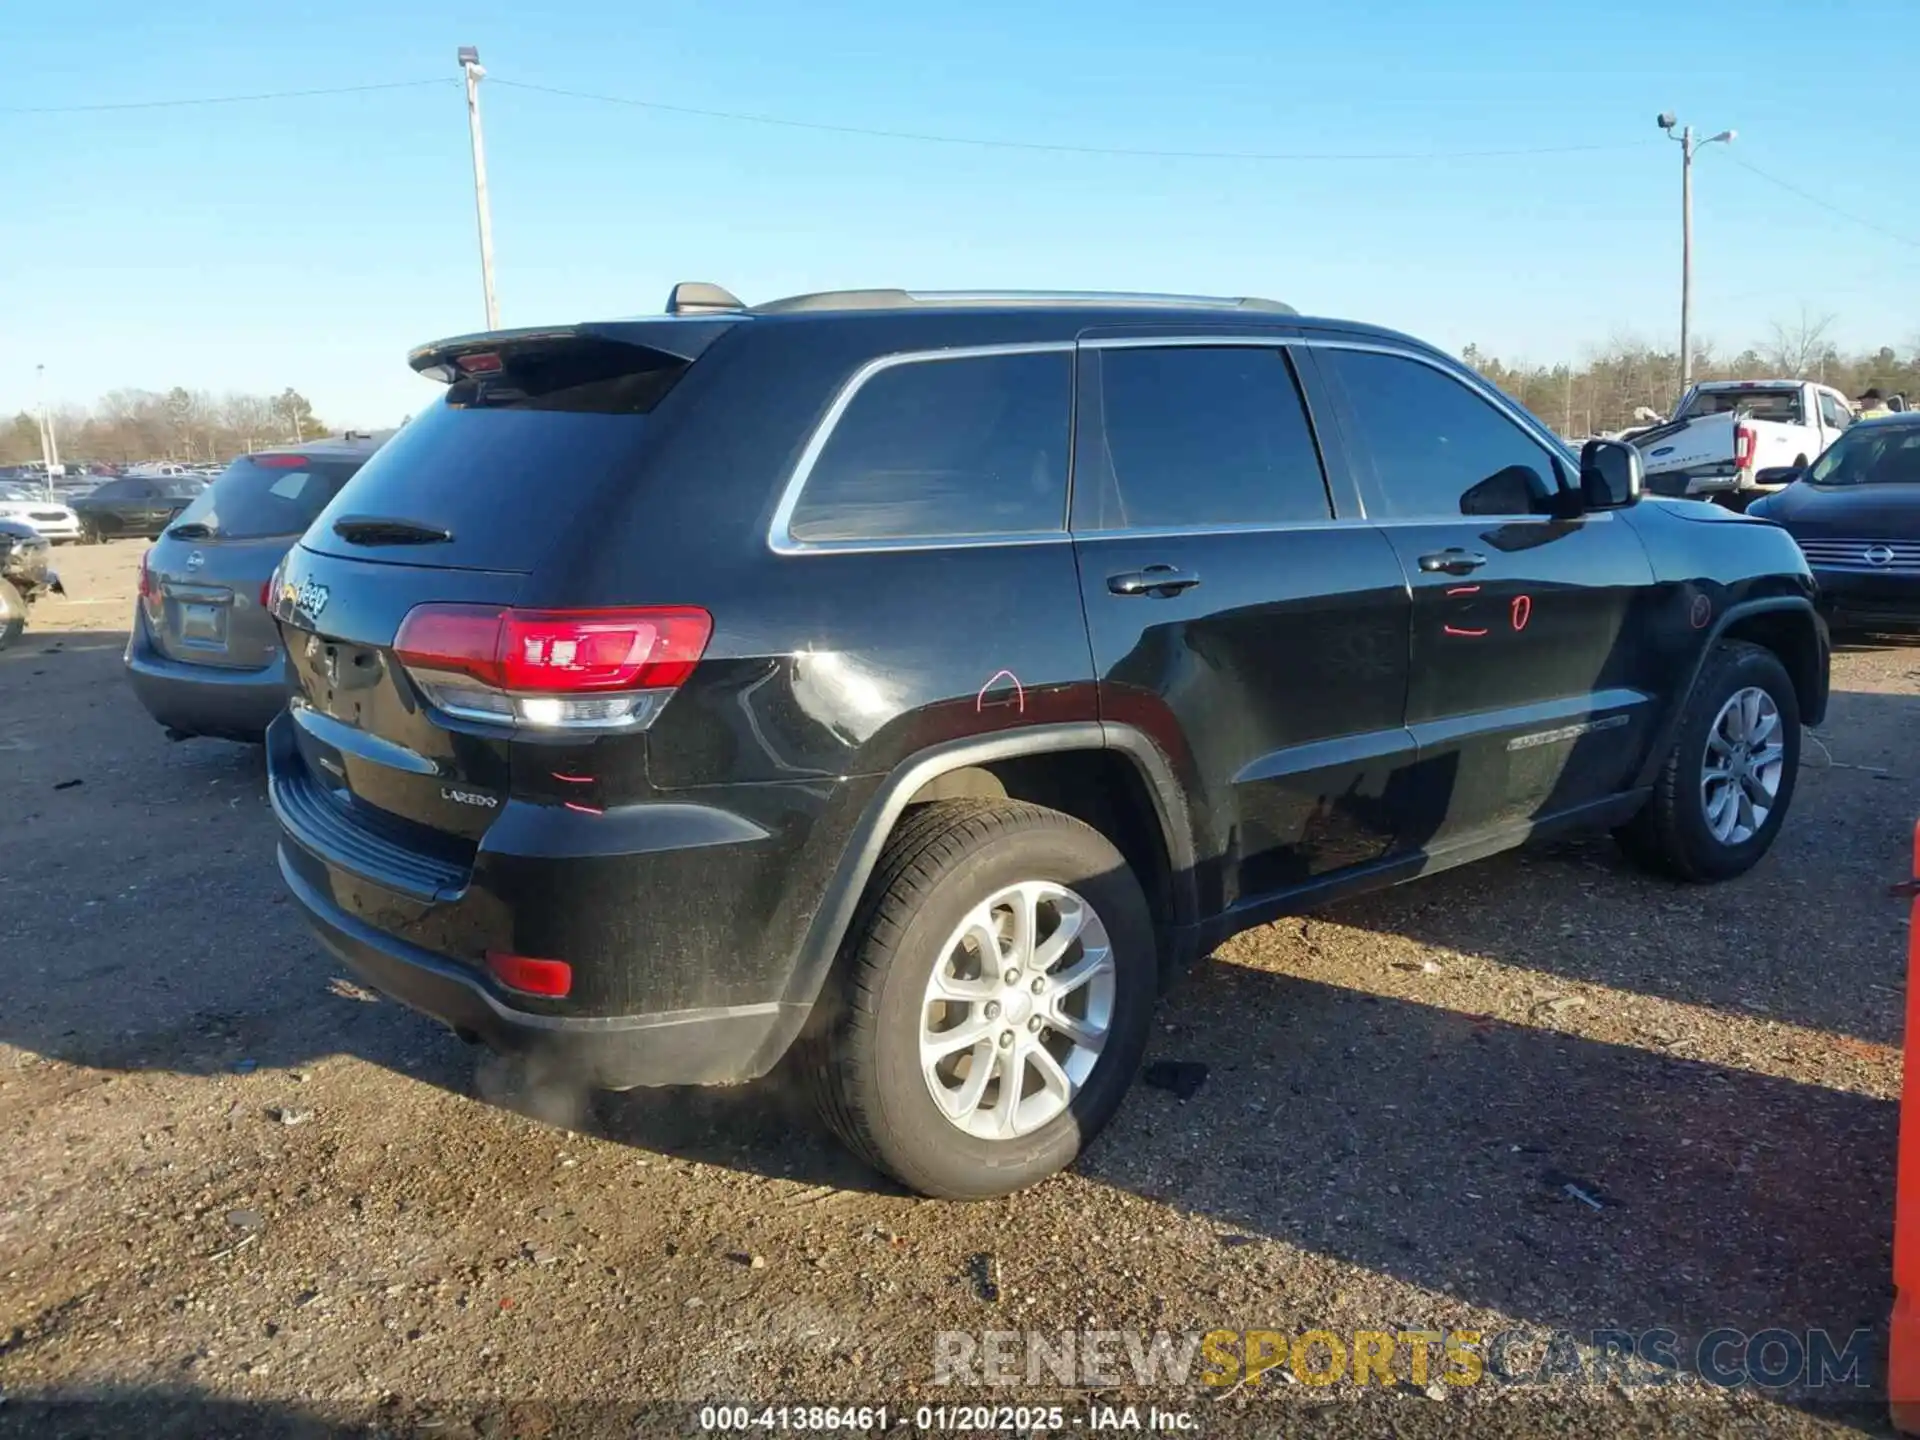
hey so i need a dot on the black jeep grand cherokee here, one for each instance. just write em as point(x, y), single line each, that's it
point(910, 682)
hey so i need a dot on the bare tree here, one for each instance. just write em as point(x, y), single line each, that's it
point(248, 418)
point(1799, 349)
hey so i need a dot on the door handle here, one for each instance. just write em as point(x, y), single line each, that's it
point(1452, 562)
point(1159, 581)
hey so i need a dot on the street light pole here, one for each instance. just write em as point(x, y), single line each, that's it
point(1688, 146)
point(470, 65)
point(1686, 257)
point(49, 448)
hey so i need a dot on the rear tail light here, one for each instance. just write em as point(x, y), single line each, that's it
point(552, 669)
point(552, 978)
point(1742, 447)
point(149, 585)
point(282, 462)
point(266, 594)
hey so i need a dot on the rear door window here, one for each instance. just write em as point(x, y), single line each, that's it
point(266, 495)
point(1199, 437)
point(974, 446)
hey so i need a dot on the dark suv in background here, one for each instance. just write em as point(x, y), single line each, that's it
point(909, 684)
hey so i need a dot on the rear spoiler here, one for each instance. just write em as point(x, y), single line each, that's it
point(683, 338)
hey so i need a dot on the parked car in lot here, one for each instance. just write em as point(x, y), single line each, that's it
point(134, 505)
point(202, 653)
point(30, 504)
point(1728, 436)
point(1856, 515)
point(680, 693)
point(25, 575)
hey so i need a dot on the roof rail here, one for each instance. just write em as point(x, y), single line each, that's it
point(697, 297)
point(936, 299)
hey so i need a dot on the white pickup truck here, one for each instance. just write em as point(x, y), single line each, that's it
point(1732, 440)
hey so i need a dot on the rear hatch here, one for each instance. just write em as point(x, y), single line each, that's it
point(406, 728)
point(205, 585)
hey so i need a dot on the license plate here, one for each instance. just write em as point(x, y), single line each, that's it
point(203, 624)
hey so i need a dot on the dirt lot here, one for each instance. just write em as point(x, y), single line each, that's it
point(1539, 1094)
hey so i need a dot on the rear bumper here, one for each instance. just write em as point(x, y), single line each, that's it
point(615, 1052)
point(1861, 598)
point(680, 922)
point(203, 699)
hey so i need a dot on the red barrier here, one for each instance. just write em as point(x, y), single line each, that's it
point(1903, 1342)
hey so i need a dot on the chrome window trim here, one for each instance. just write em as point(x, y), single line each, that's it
point(1189, 342)
point(780, 537)
point(781, 541)
point(1184, 532)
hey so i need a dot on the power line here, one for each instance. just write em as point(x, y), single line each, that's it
point(925, 137)
point(1825, 205)
point(220, 99)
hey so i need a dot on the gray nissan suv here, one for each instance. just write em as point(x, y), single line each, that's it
point(203, 653)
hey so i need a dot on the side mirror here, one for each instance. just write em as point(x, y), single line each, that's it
point(1611, 475)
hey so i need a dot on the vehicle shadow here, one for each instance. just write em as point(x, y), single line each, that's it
point(1811, 937)
point(1567, 1183)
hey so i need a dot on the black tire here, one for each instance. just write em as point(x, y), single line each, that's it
point(13, 613)
point(1671, 835)
point(861, 1054)
point(89, 532)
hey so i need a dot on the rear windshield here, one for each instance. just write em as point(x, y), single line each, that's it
point(479, 480)
point(265, 495)
point(1780, 405)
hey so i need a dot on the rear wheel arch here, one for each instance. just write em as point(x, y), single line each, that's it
point(1062, 767)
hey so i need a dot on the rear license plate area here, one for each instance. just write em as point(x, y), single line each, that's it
point(203, 624)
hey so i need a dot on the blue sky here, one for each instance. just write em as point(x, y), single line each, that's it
point(309, 242)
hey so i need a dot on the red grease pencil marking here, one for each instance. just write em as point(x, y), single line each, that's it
point(1019, 691)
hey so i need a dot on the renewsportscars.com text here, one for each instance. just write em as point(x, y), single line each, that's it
point(1770, 1359)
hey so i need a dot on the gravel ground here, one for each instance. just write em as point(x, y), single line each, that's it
point(1539, 1094)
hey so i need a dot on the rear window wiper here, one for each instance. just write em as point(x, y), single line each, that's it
point(192, 530)
point(381, 530)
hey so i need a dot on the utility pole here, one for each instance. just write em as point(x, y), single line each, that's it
point(49, 447)
point(1687, 148)
point(470, 64)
